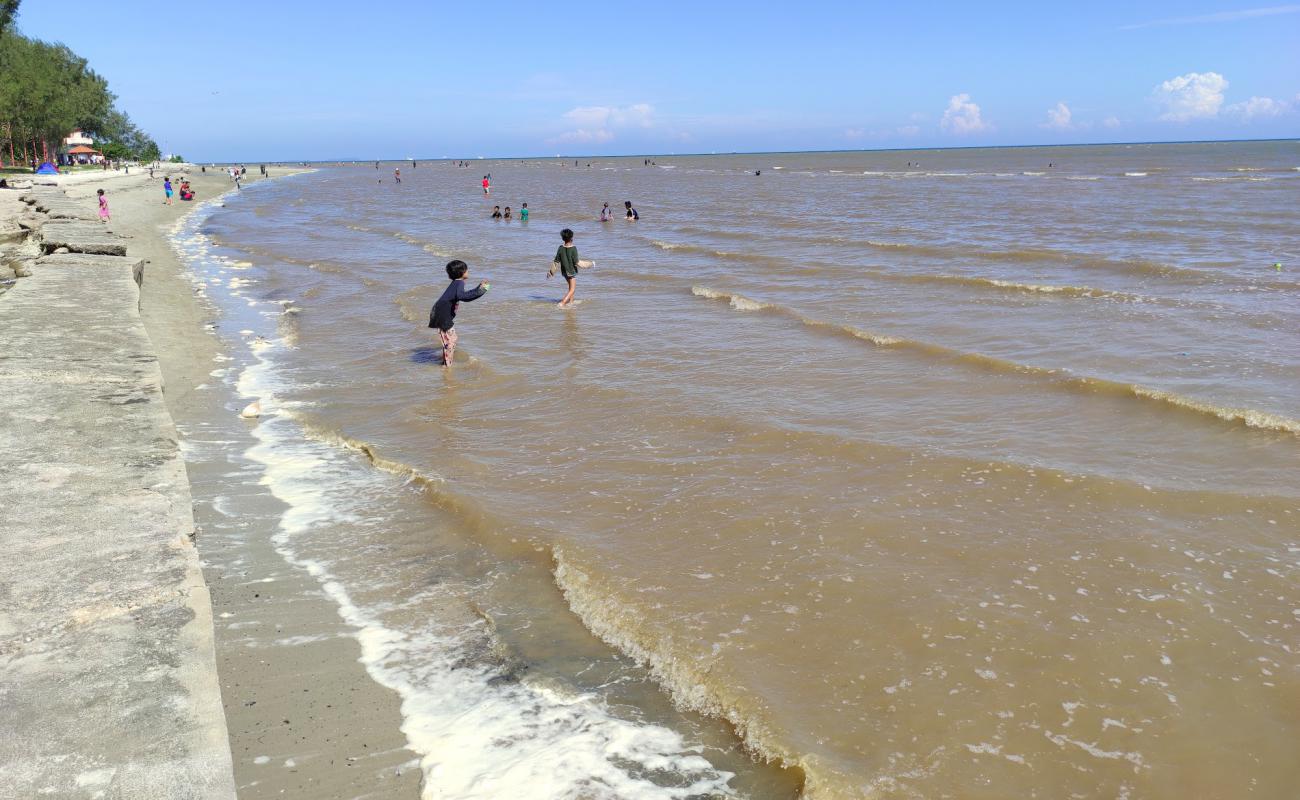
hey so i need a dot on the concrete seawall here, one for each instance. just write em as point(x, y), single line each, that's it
point(108, 684)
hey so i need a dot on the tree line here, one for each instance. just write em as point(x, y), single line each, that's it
point(47, 91)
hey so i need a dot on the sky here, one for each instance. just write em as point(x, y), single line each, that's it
point(276, 80)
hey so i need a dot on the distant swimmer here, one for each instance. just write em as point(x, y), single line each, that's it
point(507, 214)
point(606, 213)
point(443, 314)
point(487, 185)
point(758, 172)
point(496, 212)
point(523, 213)
point(397, 175)
point(631, 215)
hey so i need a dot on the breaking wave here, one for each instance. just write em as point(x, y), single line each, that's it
point(1250, 418)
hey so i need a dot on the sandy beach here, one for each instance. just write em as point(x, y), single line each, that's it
point(304, 718)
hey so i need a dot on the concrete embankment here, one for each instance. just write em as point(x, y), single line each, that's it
point(108, 684)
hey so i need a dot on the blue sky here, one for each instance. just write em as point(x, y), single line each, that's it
point(283, 79)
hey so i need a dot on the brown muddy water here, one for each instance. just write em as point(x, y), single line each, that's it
point(972, 479)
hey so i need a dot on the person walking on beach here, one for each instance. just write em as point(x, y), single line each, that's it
point(567, 259)
point(167, 189)
point(443, 314)
point(103, 208)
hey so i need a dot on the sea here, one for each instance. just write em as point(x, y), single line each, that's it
point(967, 473)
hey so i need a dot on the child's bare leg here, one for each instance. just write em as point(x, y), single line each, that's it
point(448, 346)
point(568, 296)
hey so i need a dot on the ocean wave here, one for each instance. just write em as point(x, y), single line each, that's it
point(730, 255)
point(1016, 286)
point(1061, 378)
point(480, 725)
point(1135, 174)
point(687, 681)
point(734, 300)
point(426, 246)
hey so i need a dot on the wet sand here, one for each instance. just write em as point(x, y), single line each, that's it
point(305, 719)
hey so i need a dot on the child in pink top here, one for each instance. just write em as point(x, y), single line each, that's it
point(103, 207)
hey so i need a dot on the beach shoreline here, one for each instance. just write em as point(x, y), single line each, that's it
point(303, 716)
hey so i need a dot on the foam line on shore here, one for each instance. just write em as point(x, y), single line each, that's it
point(479, 734)
point(481, 729)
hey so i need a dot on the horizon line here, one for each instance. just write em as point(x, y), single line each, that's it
point(754, 152)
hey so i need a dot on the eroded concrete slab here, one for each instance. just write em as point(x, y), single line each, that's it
point(81, 237)
point(107, 677)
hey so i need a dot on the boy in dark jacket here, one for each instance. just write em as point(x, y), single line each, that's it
point(443, 315)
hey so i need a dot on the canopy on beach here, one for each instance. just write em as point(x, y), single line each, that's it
point(47, 169)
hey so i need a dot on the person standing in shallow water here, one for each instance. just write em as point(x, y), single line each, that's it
point(567, 257)
point(443, 314)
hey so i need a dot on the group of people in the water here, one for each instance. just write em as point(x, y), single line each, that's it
point(629, 213)
point(509, 215)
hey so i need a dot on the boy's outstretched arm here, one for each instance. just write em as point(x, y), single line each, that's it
point(466, 295)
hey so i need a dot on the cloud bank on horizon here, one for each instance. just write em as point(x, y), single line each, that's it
point(411, 79)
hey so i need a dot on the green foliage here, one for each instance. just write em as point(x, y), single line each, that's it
point(8, 10)
point(47, 91)
point(178, 159)
point(116, 151)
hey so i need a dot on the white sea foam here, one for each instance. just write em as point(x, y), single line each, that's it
point(476, 737)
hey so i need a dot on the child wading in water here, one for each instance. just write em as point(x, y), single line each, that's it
point(103, 207)
point(567, 258)
point(443, 315)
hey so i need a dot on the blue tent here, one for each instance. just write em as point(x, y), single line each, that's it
point(47, 169)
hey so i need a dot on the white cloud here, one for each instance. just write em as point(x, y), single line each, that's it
point(1196, 95)
point(584, 135)
point(1059, 118)
point(1221, 16)
point(962, 116)
point(1259, 107)
point(855, 133)
point(908, 130)
point(1111, 122)
point(596, 124)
